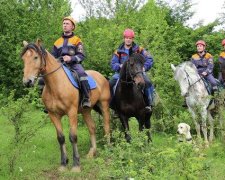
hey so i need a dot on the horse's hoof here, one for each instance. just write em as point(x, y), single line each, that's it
point(206, 145)
point(62, 168)
point(76, 169)
point(91, 153)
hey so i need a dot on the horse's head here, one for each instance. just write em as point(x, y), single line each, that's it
point(184, 74)
point(132, 70)
point(32, 55)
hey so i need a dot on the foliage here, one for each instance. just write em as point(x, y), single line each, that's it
point(28, 20)
point(16, 112)
point(164, 158)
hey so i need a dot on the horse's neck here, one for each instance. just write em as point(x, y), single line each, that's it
point(124, 75)
point(198, 87)
point(52, 73)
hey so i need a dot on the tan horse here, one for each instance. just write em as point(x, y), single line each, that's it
point(61, 98)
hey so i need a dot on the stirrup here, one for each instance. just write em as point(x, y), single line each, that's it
point(86, 103)
point(115, 114)
point(148, 108)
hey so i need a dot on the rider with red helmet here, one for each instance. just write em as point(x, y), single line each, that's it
point(122, 54)
point(204, 63)
point(222, 62)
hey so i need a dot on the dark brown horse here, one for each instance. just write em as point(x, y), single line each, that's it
point(61, 98)
point(129, 100)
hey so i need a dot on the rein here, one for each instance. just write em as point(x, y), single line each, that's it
point(191, 85)
point(43, 75)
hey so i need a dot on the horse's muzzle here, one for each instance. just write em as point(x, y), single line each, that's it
point(28, 82)
point(140, 85)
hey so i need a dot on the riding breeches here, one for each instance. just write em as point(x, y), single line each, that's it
point(211, 80)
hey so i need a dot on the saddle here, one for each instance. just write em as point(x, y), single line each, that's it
point(208, 86)
point(73, 77)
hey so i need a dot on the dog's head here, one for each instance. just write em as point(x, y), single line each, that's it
point(183, 129)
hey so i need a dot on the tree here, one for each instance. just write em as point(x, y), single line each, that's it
point(25, 20)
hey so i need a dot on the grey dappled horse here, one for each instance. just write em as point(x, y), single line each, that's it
point(197, 97)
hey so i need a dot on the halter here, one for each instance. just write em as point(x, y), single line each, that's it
point(42, 52)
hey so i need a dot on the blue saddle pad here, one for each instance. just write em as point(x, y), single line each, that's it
point(69, 74)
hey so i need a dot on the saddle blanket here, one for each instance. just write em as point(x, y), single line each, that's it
point(69, 74)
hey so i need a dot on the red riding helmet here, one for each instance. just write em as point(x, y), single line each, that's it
point(200, 42)
point(128, 33)
point(223, 42)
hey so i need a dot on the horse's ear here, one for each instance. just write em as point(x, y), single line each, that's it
point(38, 42)
point(173, 67)
point(25, 43)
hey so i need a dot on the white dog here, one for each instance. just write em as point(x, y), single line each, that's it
point(184, 133)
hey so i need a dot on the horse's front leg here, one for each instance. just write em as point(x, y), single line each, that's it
point(124, 121)
point(73, 140)
point(144, 122)
point(56, 120)
point(210, 118)
point(91, 127)
point(197, 125)
point(204, 126)
point(148, 125)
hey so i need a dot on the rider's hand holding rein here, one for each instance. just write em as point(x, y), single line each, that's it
point(66, 58)
point(204, 73)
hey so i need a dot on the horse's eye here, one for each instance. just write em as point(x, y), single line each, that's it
point(36, 57)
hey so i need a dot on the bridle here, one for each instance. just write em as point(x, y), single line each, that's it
point(129, 74)
point(189, 83)
point(42, 53)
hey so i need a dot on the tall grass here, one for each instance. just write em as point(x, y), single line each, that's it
point(38, 157)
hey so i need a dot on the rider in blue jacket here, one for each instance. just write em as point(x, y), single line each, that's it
point(122, 54)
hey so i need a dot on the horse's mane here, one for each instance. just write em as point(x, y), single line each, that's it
point(138, 58)
point(33, 46)
point(189, 67)
point(135, 58)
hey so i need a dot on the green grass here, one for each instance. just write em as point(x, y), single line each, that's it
point(39, 157)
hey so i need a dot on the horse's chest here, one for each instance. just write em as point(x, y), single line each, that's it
point(131, 105)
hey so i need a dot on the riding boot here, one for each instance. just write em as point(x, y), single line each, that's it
point(86, 103)
point(148, 103)
point(215, 91)
point(148, 96)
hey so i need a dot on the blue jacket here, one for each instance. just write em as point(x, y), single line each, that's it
point(121, 55)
